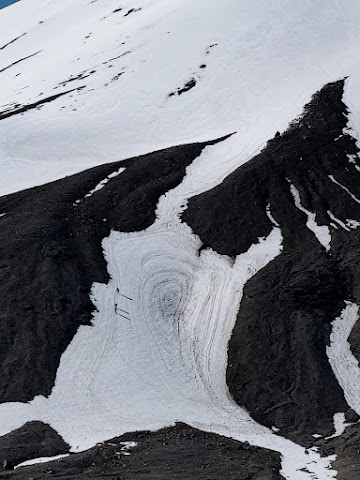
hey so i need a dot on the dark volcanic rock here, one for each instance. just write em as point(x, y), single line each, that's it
point(180, 453)
point(51, 254)
point(278, 368)
point(33, 440)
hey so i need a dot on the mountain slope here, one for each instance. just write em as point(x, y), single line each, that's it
point(213, 283)
point(52, 254)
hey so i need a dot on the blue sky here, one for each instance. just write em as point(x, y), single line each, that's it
point(5, 3)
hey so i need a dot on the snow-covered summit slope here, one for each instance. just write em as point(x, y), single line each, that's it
point(255, 65)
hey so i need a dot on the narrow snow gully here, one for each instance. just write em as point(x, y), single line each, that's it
point(160, 337)
point(35, 461)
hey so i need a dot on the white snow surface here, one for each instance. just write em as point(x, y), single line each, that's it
point(166, 361)
point(127, 447)
point(267, 59)
point(339, 425)
point(264, 60)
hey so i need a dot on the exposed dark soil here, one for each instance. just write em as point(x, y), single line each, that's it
point(33, 440)
point(180, 453)
point(278, 368)
point(51, 254)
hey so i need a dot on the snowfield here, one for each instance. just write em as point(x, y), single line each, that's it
point(345, 365)
point(156, 353)
point(263, 62)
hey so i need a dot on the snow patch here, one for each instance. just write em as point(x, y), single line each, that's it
point(354, 158)
point(127, 446)
point(255, 89)
point(353, 224)
point(166, 362)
